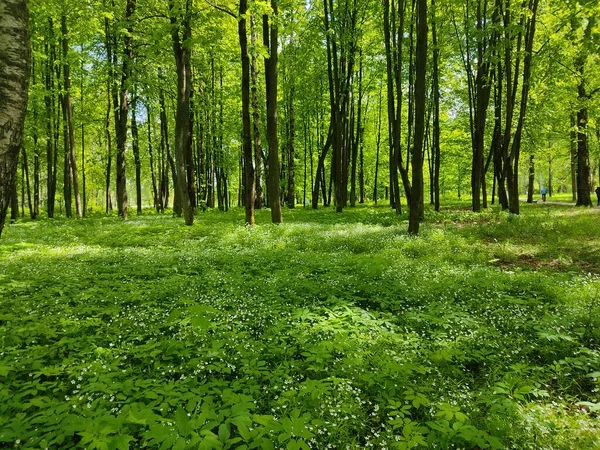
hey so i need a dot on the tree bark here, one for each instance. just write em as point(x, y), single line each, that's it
point(573, 147)
point(583, 158)
point(68, 107)
point(67, 188)
point(358, 137)
point(26, 184)
point(49, 110)
point(270, 36)
point(291, 193)
point(436, 111)
point(83, 180)
point(516, 144)
point(169, 162)
point(259, 197)
point(135, 144)
point(246, 133)
point(15, 56)
point(122, 113)
point(416, 199)
point(182, 119)
point(393, 39)
point(531, 179)
point(155, 195)
point(320, 177)
point(36, 153)
point(550, 188)
point(378, 146)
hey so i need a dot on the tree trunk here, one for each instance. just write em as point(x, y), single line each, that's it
point(246, 133)
point(416, 199)
point(320, 177)
point(109, 157)
point(220, 163)
point(361, 162)
point(583, 158)
point(305, 164)
point(550, 188)
point(270, 36)
point(291, 193)
point(182, 119)
point(531, 179)
point(375, 180)
point(516, 144)
point(50, 114)
point(573, 147)
point(68, 107)
point(436, 111)
point(67, 188)
point(341, 50)
point(83, 180)
point(189, 146)
point(26, 184)
point(358, 137)
point(479, 97)
point(135, 144)
point(393, 39)
point(259, 198)
point(122, 113)
point(36, 156)
point(14, 203)
point(14, 80)
point(169, 162)
point(155, 195)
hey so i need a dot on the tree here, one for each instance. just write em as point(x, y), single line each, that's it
point(15, 56)
point(394, 46)
point(270, 36)
point(584, 95)
point(435, 150)
point(67, 107)
point(340, 21)
point(416, 199)
point(121, 110)
point(180, 19)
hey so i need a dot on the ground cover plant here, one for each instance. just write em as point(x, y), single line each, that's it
point(328, 331)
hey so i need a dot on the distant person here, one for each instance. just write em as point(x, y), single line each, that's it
point(544, 191)
point(598, 194)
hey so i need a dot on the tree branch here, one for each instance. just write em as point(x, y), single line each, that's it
point(222, 9)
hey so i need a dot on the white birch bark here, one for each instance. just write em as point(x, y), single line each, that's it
point(14, 80)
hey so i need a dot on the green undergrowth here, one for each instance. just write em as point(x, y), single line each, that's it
point(329, 331)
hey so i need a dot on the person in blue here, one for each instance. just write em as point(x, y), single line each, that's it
point(544, 191)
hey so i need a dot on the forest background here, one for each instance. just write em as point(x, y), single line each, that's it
point(129, 100)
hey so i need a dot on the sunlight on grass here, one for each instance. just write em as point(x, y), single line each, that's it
point(334, 330)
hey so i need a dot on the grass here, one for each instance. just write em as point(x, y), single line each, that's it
point(329, 331)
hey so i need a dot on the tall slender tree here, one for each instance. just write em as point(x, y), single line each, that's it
point(416, 199)
point(270, 36)
point(68, 114)
point(180, 22)
point(122, 110)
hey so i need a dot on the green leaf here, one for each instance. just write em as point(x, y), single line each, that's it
point(120, 442)
point(4, 370)
point(182, 421)
point(224, 432)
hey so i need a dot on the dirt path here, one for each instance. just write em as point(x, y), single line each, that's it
point(540, 202)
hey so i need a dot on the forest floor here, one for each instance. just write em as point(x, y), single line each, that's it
point(329, 331)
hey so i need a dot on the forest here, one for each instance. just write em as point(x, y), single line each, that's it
point(300, 224)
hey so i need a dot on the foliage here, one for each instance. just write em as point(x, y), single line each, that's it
point(329, 331)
